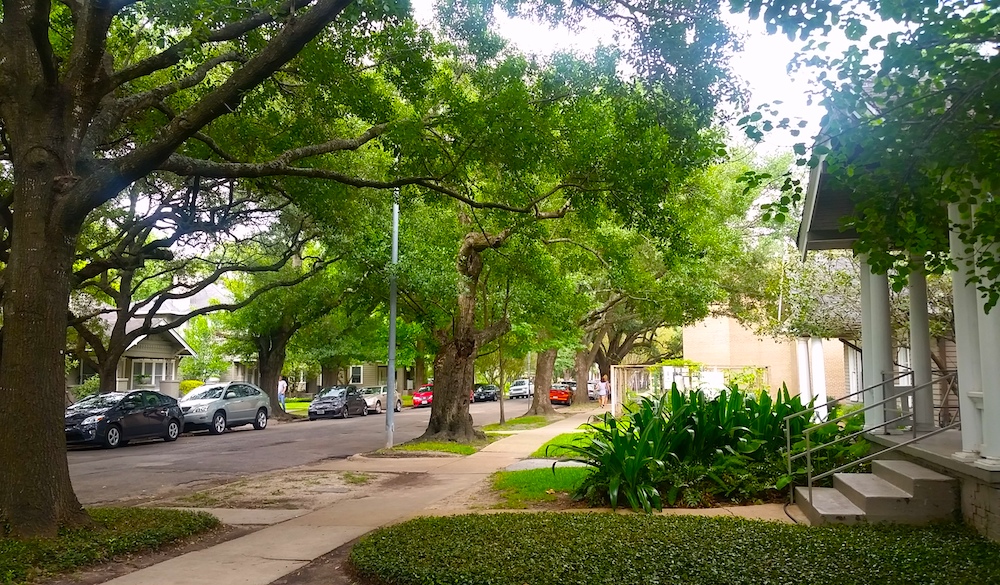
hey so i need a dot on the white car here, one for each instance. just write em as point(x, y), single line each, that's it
point(522, 388)
point(377, 397)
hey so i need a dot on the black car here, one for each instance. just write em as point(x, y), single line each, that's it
point(337, 401)
point(483, 392)
point(115, 418)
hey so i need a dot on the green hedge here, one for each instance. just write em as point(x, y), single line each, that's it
point(116, 531)
point(189, 385)
point(594, 549)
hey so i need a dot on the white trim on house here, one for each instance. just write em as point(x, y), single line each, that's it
point(173, 333)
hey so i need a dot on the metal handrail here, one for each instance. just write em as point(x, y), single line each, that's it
point(811, 411)
point(810, 479)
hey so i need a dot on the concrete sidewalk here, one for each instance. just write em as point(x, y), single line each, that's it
point(272, 552)
point(429, 486)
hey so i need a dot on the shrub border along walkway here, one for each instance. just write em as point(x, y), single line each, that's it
point(625, 549)
point(117, 531)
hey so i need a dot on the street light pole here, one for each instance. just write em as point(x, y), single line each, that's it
point(391, 390)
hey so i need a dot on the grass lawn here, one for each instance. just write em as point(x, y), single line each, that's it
point(520, 423)
point(554, 448)
point(299, 408)
point(116, 531)
point(442, 446)
point(537, 485)
point(626, 549)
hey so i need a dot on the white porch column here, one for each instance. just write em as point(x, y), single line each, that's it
point(882, 340)
point(869, 375)
point(920, 351)
point(966, 308)
point(802, 364)
point(989, 343)
point(817, 375)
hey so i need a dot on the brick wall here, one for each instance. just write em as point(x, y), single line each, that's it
point(981, 507)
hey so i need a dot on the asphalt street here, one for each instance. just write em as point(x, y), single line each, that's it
point(151, 469)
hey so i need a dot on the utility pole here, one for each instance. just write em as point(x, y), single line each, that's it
point(391, 389)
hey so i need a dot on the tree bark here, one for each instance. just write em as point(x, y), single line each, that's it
point(36, 494)
point(271, 352)
point(582, 363)
point(419, 368)
point(454, 364)
point(541, 404)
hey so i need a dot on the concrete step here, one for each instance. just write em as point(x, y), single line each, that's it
point(920, 482)
point(828, 506)
point(876, 496)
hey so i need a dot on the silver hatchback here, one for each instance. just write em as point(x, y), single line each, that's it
point(217, 407)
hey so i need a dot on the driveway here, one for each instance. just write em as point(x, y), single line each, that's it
point(151, 469)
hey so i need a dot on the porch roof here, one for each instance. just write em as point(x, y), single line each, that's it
point(823, 210)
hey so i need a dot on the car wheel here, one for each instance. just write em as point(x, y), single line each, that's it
point(173, 431)
point(399, 406)
point(364, 411)
point(113, 438)
point(378, 407)
point(260, 423)
point(346, 413)
point(312, 418)
point(218, 425)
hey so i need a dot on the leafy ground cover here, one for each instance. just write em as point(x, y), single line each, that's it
point(594, 549)
point(518, 488)
point(116, 531)
point(520, 423)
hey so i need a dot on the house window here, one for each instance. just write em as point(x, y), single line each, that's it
point(149, 373)
point(355, 374)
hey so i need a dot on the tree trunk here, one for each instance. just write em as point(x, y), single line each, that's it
point(582, 363)
point(271, 351)
point(107, 370)
point(603, 362)
point(419, 368)
point(454, 364)
point(581, 373)
point(541, 404)
point(36, 494)
point(450, 419)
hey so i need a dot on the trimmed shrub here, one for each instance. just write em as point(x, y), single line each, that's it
point(189, 385)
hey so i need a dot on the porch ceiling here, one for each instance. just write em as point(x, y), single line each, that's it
point(822, 213)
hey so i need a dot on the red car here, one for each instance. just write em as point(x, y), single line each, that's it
point(561, 394)
point(424, 396)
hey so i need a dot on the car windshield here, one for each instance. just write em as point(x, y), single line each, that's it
point(375, 390)
point(206, 393)
point(334, 392)
point(99, 401)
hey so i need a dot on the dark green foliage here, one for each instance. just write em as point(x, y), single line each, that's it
point(594, 549)
point(117, 531)
point(692, 450)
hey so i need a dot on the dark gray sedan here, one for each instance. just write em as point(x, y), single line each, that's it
point(115, 418)
point(338, 401)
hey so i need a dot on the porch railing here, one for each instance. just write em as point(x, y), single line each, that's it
point(903, 410)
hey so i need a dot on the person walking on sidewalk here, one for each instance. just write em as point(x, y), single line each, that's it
point(282, 388)
point(603, 389)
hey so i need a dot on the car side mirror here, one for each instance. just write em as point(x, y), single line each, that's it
point(229, 395)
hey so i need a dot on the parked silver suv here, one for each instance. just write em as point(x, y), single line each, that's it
point(217, 407)
point(521, 388)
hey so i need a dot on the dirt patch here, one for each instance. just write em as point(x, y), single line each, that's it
point(286, 489)
point(129, 563)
